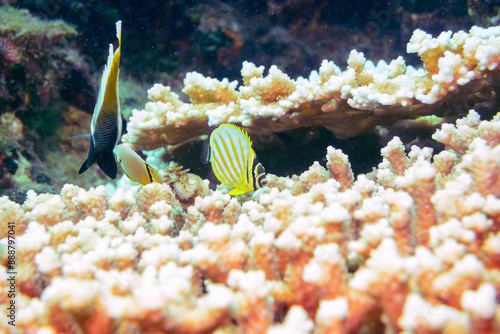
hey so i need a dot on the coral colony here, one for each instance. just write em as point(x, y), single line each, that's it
point(457, 68)
point(411, 247)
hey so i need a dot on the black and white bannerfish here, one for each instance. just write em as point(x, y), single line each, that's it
point(107, 125)
point(135, 167)
point(233, 159)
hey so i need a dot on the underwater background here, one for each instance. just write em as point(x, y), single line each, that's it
point(376, 122)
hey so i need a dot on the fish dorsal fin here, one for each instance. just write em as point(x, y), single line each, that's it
point(107, 99)
point(119, 32)
point(239, 130)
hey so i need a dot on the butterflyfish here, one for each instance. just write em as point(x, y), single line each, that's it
point(107, 125)
point(135, 167)
point(233, 159)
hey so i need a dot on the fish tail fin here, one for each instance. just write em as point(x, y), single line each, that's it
point(107, 163)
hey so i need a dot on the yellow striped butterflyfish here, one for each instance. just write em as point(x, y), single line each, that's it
point(233, 159)
point(135, 167)
point(107, 124)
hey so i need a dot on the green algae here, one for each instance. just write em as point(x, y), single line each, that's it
point(19, 23)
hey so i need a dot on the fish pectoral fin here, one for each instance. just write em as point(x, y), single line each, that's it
point(83, 135)
point(107, 163)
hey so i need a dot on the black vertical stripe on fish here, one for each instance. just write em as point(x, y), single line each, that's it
point(261, 178)
point(261, 175)
point(206, 151)
point(254, 178)
point(149, 172)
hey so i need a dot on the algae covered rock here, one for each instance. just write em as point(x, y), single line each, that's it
point(40, 64)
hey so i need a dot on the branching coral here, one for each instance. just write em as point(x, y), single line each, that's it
point(413, 246)
point(458, 70)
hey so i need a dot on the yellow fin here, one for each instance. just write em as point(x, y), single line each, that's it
point(237, 191)
point(108, 100)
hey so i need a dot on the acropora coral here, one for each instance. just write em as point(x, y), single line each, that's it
point(459, 69)
point(412, 247)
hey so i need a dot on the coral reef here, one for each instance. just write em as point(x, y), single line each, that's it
point(412, 246)
point(459, 69)
point(40, 64)
point(39, 61)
